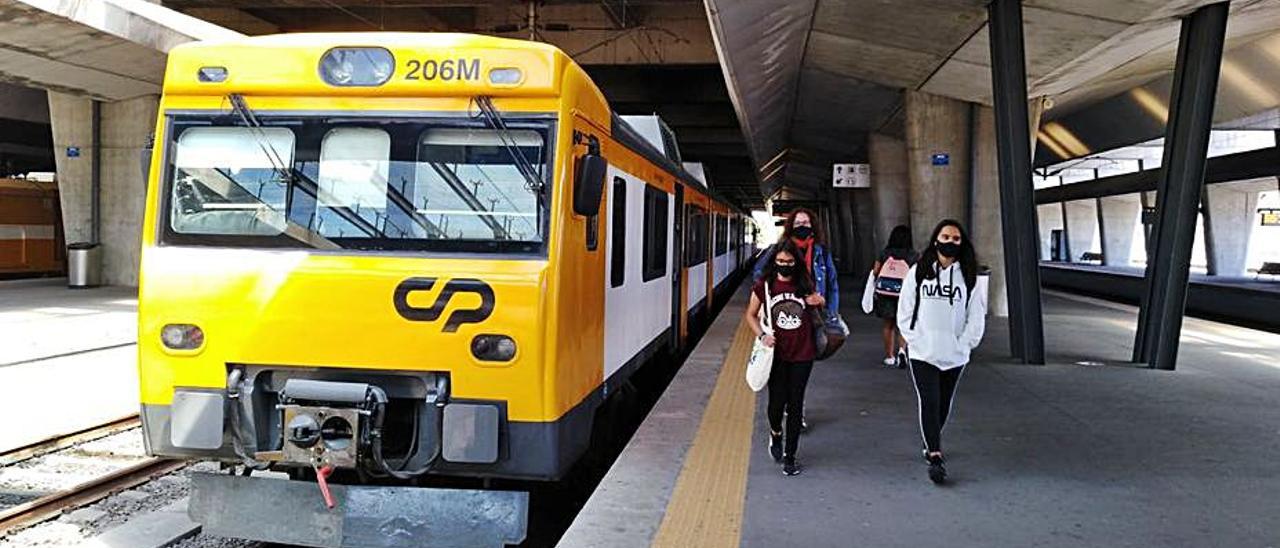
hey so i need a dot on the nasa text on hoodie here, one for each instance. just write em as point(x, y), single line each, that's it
point(949, 323)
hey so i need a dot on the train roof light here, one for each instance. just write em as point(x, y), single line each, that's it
point(505, 76)
point(364, 67)
point(212, 74)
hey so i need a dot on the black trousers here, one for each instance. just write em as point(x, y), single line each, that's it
point(787, 381)
point(935, 390)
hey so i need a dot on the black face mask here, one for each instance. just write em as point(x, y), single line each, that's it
point(786, 270)
point(948, 249)
point(802, 232)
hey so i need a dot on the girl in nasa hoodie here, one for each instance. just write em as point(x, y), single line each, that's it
point(941, 314)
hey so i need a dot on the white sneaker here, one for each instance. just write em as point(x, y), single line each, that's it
point(889, 362)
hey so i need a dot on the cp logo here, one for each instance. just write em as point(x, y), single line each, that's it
point(458, 317)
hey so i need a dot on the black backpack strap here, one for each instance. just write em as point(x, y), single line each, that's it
point(915, 312)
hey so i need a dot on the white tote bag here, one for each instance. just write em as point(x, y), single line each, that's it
point(869, 293)
point(761, 361)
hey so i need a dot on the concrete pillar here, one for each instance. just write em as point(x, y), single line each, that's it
point(865, 249)
point(71, 120)
point(936, 126)
point(1232, 214)
point(987, 230)
point(889, 186)
point(125, 127)
point(1119, 216)
point(1050, 219)
point(1082, 226)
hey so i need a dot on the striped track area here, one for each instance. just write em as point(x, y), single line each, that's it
point(705, 510)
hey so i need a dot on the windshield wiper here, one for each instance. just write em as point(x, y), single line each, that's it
point(533, 183)
point(289, 175)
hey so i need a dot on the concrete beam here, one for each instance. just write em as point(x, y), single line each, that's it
point(96, 48)
point(234, 19)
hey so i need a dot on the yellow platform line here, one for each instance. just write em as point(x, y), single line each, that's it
point(706, 506)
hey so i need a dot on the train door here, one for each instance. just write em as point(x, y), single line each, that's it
point(678, 316)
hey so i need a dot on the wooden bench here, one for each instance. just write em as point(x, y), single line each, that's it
point(1090, 256)
point(1267, 269)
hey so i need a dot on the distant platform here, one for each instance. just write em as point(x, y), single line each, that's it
point(1239, 301)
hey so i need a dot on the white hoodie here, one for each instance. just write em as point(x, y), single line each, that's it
point(949, 324)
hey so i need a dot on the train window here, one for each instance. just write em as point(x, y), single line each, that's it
point(655, 233)
point(695, 250)
point(468, 180)
point(618, 233)
point(225, 183)
point(354, 163)
point(722, 238)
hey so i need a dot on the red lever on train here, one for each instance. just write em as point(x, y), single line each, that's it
point(322, 478)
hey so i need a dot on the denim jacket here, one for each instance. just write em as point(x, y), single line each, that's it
point(824, 277)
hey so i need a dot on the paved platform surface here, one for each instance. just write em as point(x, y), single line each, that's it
point(68, 358)
point(1096, 453)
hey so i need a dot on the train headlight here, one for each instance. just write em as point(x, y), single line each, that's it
point(181, 336)
point(357, 66)
point(493, 348)
point(505, 76)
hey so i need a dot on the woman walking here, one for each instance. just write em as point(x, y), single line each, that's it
point(801, 229)
point(890, 271)
point(942, 315)
point(787, 295)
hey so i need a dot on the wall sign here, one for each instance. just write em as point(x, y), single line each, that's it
point(941, 159)
point(851, 175)
point(1270, 216)
point(73, 152)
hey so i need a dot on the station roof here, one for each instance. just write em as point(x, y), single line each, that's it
point(811, 78)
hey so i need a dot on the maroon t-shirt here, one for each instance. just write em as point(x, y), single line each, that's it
point(791, 321)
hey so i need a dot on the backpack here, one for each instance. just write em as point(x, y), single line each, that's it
point(892, 272)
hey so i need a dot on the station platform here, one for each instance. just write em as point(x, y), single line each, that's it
point(68, 358)
point(1243, 301)
point(1088, 450)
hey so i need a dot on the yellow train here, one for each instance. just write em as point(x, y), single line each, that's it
point(402, 255)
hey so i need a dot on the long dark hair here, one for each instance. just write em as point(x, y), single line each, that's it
point(804, 286)
point(926, 268)
point(813, 221)
point(900, 238)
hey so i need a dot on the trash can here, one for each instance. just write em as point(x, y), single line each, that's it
point(84, 265)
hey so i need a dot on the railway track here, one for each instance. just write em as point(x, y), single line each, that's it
point(131, 471)
point(64, 441)
point(48, 506)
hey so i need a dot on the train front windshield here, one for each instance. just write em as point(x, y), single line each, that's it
point(331, 183)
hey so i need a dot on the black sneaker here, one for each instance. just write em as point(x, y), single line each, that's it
point(775, 446)
point(902, 359)
point(789, 467)
point(937, 472)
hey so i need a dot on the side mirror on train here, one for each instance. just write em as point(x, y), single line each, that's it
point(588, 184)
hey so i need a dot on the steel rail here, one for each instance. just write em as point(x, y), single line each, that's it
point(51, 505)
point(63, 441)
